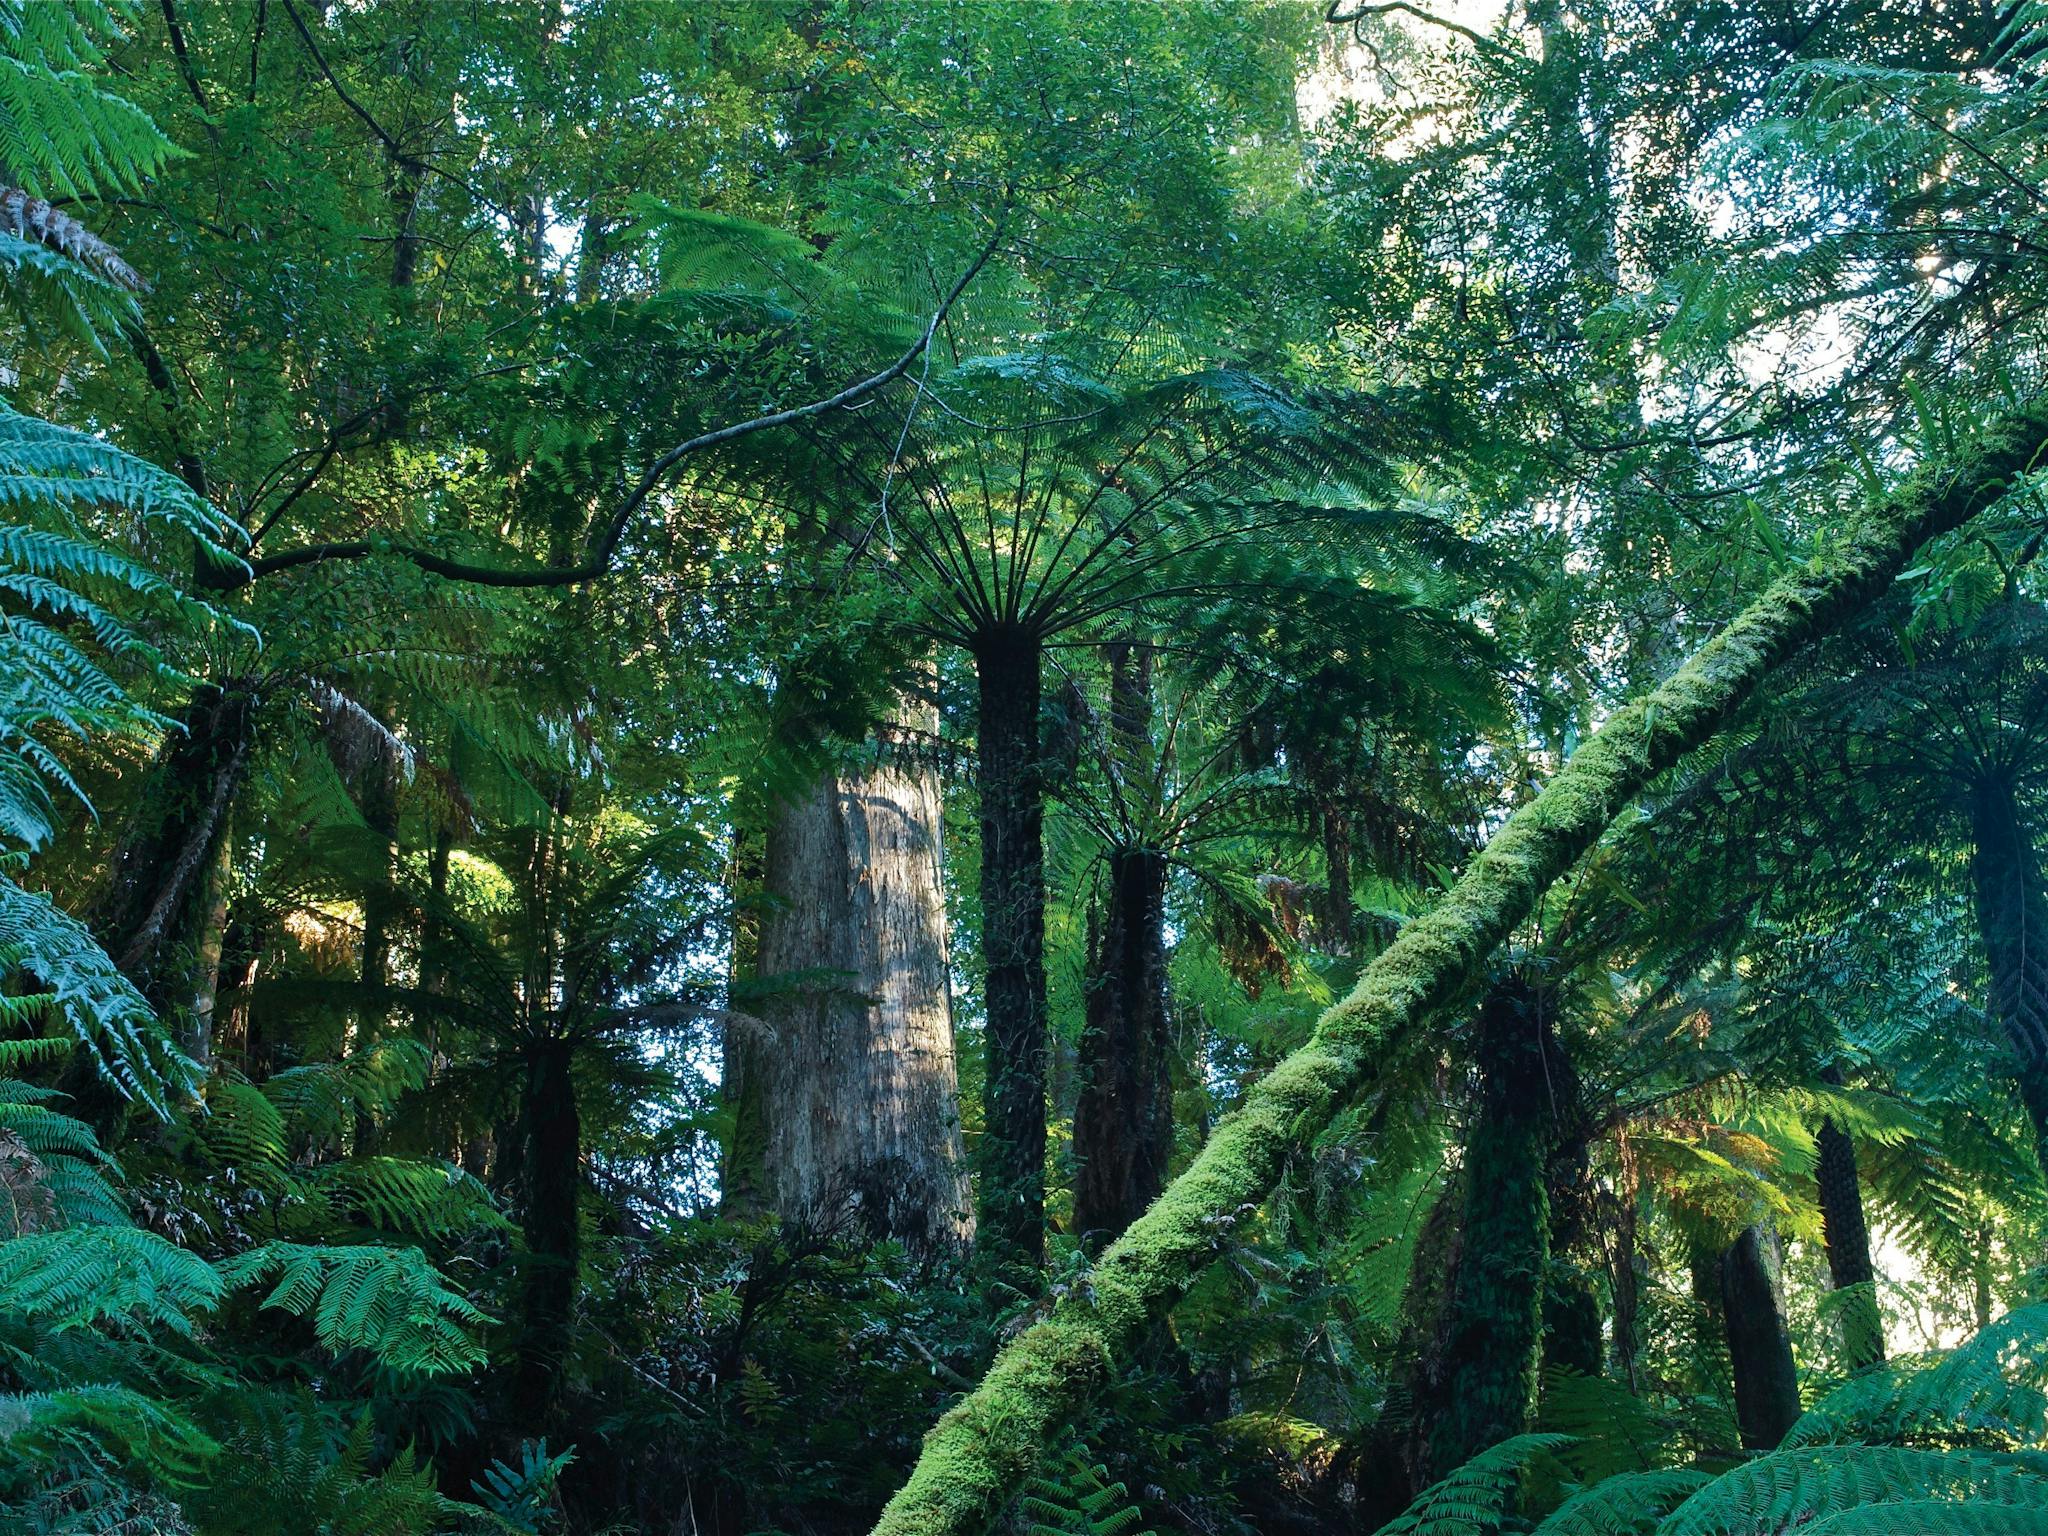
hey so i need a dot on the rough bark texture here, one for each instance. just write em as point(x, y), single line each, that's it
point(1485, 1377)
point(977, 1454)
point(861, 1106)
point(1847, 1239)
point(1759, 1348)
point(1012, 1159)
point(2012, 919)
point(161, 867)
point(1123, 1116)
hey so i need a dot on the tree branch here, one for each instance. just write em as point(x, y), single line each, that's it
point(598, 561)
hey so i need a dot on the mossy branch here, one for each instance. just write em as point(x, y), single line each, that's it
point(981, 1451)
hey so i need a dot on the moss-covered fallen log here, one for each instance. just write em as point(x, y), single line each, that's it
point(979, 1452)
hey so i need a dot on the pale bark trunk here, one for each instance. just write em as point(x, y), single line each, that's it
point(986, 1444)
point(861, 1104)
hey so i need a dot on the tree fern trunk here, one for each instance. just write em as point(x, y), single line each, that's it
point(550, 1184)
point(1485, 1381)
point(977, 1454)
point(1012, 1161)
point(1123, 1117)
point(861, 1105)
point(1759, 1348)
point(1847, 1239)
point(2012, 921)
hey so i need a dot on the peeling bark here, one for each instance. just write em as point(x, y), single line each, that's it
point(860, 1110)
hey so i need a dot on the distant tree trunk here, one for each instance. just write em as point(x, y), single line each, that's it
point(160, 868)
point(1336, 905)
point(550, 1182)
point(213, 931)
point(2012, 920)
point(1618, 1211)
point(1759, 1348)
point(1486, 1378)
point(1847, 1238)
point(1123, 1114)
point(744, 1059)
point(1389, 1463)
point(1123, 1119)
point(1012, 1160)
point(1571, 1307)
point(862, 1108)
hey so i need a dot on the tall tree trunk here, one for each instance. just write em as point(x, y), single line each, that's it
point(1759, 1348)
point(745, 1062)
point(1571, 1305)
point(1847, 1239)
point(1123, 1117)
point(160, 869)
point(1486, 1378)
point(2012, 921)
point(1012, 1160)
point(1123, 1114)
point(987, 1443)
point(213, 931)
point(862, 1108)
point(550, 1182)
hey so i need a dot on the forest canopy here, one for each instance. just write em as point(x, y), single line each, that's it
point(1139, 768)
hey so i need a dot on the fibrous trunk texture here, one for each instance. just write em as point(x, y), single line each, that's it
point(977, 1454)
point(1846, 1236)
point(1484, 1380)
point(1123, 1116)
point(2012, 920)
point(1012, 1159)
point(550, 1182)
point(861, 1108)
point(1759, 1348)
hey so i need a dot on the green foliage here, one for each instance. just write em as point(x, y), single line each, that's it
point(388, 1301)
point(1075, 1497)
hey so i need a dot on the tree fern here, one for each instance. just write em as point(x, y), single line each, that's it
point(61, 132)
point(389, 1301)
point(1476, 1498)
point(1074, 1496)
point(79, 1277)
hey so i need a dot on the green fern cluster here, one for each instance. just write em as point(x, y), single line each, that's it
point(1074, 1496)
point(1946, 1443)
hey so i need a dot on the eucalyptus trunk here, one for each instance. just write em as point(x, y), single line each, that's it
point(1012, 1154)
point(2012, 921)
point(974, 1459)
point(860, 1095)
point(1759, 1347)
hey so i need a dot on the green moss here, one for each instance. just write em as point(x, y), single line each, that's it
point(976, 1455)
